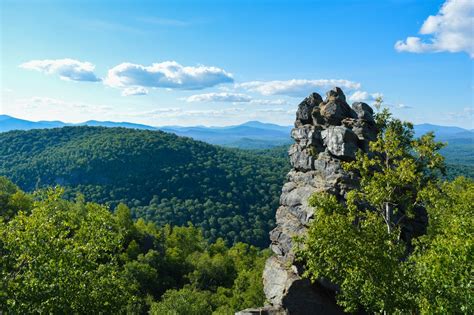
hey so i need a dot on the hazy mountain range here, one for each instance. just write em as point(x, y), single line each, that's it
point(252, 134)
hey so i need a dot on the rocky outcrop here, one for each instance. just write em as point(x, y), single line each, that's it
point(326, 133)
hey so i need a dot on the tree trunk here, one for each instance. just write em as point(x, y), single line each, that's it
point(388, 217)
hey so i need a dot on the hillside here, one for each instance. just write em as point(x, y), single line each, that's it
point(164, 178)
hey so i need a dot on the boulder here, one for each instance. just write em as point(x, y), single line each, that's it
point(334, 109)
point(334, 113)
point(335, 95)
point(306, 136)
point(301, 158)
point(340, 142)
point(363, 111)
point(305, 108)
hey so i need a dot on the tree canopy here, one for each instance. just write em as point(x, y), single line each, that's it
point(60, 256)
point(228, 193)
point(375, 247)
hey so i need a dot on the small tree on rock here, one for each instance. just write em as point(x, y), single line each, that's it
point(361, 246)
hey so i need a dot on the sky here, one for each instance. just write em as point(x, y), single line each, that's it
point(218, 63)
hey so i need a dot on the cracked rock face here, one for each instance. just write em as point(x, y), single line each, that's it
point(327, 132)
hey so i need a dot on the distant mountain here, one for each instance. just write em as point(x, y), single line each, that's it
point(444, 132)
point(8, 123)
point(249, 135)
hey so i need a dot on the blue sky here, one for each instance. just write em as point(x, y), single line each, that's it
point(227, 62)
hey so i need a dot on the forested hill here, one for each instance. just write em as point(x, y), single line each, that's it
point(229, 193)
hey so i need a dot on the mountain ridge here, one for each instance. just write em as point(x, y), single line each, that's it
point(249, 135)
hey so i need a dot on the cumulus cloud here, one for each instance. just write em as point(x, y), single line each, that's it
point(67, 69)
point(219, 97)
point(296, 88)
point(134, 90)
point(363, 96)
point(450, 30)
point(168, 74)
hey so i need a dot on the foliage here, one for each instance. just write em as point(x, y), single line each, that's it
point(12, 199)
point(354, 251)
point(369, 246)
point(62, 259)
point(228, 193)
point(58, 256)
point(184, 301)
point(443, 260)
point(395, 171)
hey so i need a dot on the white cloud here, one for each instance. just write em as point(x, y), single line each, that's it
point(67, 69)
point(397, 106)
point(134, 90)
point(276, 111)
point(451, 30)
point(401, 106)
point(362, 96)
point(47, 104)
point(174, 112)
point(219, 97)
point(168, 74)
point(269, 102)
point(296, 88)
point(229, 97)
point(41, 102)
point(464, 117)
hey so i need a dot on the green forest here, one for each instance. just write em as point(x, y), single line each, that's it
point(115, 220)
point(228, 193)
point(162, 178)
point(75, 257)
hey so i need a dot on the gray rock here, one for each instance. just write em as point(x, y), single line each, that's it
point(283, 235)
point(363, 111)
point(287, 290)
point(306, 136)
point(305, 108)
point(301, 158)
point(267, 310)
point(326, 134)
point(335, 95)
point(340, 141)
point(334, 113)
point(297, 196)
point(277, 278)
